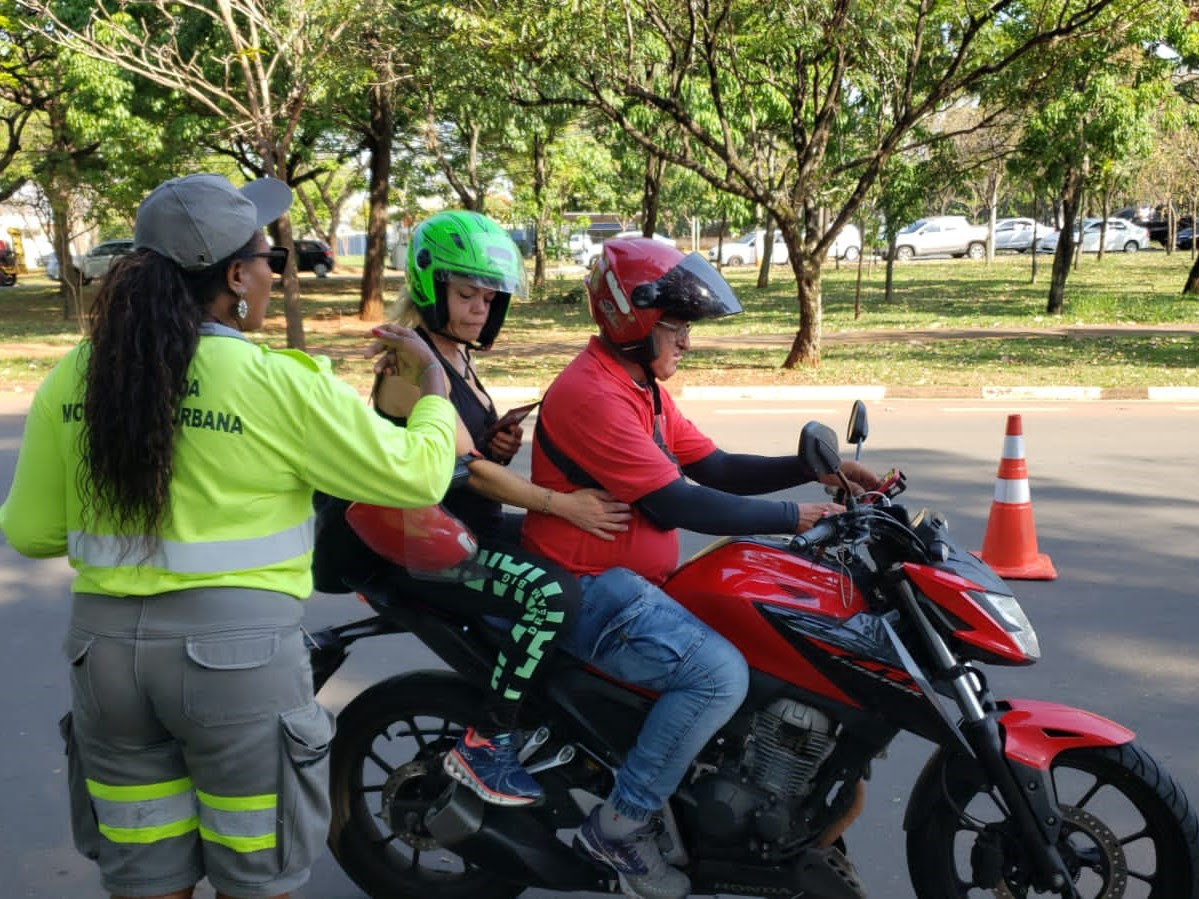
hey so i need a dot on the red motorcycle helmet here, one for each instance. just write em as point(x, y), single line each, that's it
point(636, 282)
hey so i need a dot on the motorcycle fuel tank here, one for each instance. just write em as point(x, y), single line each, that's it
point(725, 585)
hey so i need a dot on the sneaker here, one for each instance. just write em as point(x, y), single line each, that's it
point(489, 767)
point(636, 859)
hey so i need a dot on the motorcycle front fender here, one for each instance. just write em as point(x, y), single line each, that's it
point(1034, 733)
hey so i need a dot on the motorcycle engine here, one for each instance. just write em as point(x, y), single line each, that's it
point(787, 742)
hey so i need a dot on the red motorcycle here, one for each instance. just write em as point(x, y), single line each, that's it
point(871, 623)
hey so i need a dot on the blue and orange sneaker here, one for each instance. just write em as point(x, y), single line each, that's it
point(489, 767)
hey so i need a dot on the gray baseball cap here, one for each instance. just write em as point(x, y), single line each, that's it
point(198, 220)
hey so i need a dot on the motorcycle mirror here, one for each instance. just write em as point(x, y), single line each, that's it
point(818, 448)
point(858, 427)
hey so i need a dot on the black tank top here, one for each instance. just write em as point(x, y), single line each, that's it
point(482, 515)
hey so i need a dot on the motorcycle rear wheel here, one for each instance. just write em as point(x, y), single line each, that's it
point(1129, 832)
point(390, 742)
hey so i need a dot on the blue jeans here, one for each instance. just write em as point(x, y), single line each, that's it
point(631, 630)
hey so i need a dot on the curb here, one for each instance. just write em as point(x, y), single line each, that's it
point(18, 400)
point(1063, 393)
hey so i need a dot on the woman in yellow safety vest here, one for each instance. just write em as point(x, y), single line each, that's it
point(173, 462)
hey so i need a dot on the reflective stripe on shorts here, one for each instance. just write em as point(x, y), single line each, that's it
point(240, 823)
point(145, 813)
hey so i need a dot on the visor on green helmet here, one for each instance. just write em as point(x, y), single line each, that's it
point(471, 246)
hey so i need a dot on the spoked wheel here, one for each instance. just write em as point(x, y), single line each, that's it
point(385, 774)
point(1127, 831)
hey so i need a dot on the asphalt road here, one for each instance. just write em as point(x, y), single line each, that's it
point(1113, 487)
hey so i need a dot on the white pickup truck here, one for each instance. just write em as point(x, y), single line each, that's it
point(941, 235)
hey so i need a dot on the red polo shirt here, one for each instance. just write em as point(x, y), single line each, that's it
point(604, 421)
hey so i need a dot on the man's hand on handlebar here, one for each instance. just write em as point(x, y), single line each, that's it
point(861, 479)
point(810, 513)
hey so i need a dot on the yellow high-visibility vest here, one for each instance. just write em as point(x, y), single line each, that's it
point(258, 430)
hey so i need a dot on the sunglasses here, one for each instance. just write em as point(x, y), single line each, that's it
point(276, 257)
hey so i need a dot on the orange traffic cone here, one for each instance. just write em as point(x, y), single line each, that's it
point(1010, 544)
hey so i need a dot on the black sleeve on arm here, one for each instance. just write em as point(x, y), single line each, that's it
point(706, 511)
point(748, 475)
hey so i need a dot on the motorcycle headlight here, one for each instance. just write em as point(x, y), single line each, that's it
point(1006, 610)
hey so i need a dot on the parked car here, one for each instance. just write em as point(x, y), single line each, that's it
point(661, 238)
point(1182, 240)
point(53, 271)
point(747, 249)
point(525, 239)
point(584, 248)
point(1159, 228)
point(1121, 235)
point(95, 262)
point(1018, 234)
point(951, 235)
point(847, 245)
point(314, 256)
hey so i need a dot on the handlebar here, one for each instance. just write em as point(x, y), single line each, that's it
point(824, 531)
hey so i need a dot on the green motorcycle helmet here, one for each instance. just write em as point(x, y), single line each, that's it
point(472, 246)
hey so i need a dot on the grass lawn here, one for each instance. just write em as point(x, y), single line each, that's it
point(914, 340)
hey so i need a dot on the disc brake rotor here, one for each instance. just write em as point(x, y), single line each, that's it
point(1086, 835)
point(404, 782)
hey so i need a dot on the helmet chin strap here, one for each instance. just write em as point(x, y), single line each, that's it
point(651, 380)
point(466, 343)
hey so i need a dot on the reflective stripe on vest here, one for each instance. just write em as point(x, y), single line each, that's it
point(210, 557)
point(240, 823)
point(145, 813)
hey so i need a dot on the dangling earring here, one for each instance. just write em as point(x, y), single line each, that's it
point(241, 309)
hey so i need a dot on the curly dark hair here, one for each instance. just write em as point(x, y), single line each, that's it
point(146, 327)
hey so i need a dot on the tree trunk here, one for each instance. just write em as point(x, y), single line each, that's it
point(1080, 213)
point(1192, 285)
point(805, 350)
point(889, 280)
point(70, 285)
point(1071, 194)
point(992, 200)
point(378, 144)
point(1036, 226)
point(540, 177)
point(293, 312)
point(472, 171)
point(274, 164)
point(767, 252)
point(1105, 204)
point(651, 193)
point(857, 288)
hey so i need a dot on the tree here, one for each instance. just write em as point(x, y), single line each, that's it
point(844, 84)
point(1096, 113)
point(324, 196)
point(251, 65)
point(901, 190)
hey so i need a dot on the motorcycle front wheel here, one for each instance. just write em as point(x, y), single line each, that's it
point(384, 774)
point(1128, 831)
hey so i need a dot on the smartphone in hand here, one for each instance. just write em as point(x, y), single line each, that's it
point(512, 417)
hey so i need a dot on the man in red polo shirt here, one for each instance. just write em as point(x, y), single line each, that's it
point(605, 421)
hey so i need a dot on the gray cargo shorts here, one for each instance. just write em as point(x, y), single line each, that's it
point(195, 747)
